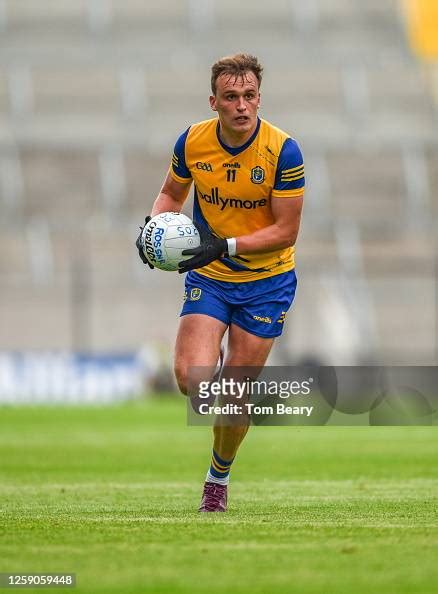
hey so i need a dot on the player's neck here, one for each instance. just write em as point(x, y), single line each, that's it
point(233, 140)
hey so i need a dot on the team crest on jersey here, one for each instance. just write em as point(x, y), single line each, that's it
point(195, 294)
point(257, 175)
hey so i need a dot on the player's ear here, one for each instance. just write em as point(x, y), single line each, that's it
point(212, 100)
point(258, 104)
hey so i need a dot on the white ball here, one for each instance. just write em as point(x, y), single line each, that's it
point(166, 236)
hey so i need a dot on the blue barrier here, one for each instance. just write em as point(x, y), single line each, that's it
point(53, 377)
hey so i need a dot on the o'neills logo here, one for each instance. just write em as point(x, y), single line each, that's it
point(223, 203)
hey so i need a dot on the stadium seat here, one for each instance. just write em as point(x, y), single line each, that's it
point(64, 184)
point(29, 14)
point(82, 89)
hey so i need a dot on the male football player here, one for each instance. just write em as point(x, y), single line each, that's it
point(248, 181)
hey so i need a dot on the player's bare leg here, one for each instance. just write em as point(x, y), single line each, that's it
point(198, 344)
point(244, 350)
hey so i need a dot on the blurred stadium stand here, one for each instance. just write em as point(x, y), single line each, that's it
point(93, 94)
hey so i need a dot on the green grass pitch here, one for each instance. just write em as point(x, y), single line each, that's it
point(111, 494)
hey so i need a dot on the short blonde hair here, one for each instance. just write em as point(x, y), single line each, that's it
point(236, 66)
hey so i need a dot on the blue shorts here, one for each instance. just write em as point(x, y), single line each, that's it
point(259, 307)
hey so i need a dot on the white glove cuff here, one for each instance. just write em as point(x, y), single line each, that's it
point(232, 246)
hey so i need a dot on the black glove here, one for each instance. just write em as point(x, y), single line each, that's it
point(211, 248)
point(139, 245)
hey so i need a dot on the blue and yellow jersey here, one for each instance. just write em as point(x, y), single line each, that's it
point(233, 190)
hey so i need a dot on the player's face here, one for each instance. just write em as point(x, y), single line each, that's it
point(237, 100)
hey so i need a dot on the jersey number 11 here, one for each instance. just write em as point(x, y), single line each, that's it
point(231, 175)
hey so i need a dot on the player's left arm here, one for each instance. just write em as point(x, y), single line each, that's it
point(282, 233)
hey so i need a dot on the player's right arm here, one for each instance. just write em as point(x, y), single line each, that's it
point(172, 195)
point(178, 181)
point(173, 192)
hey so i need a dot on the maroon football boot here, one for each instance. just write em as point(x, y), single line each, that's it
point(214, 498)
